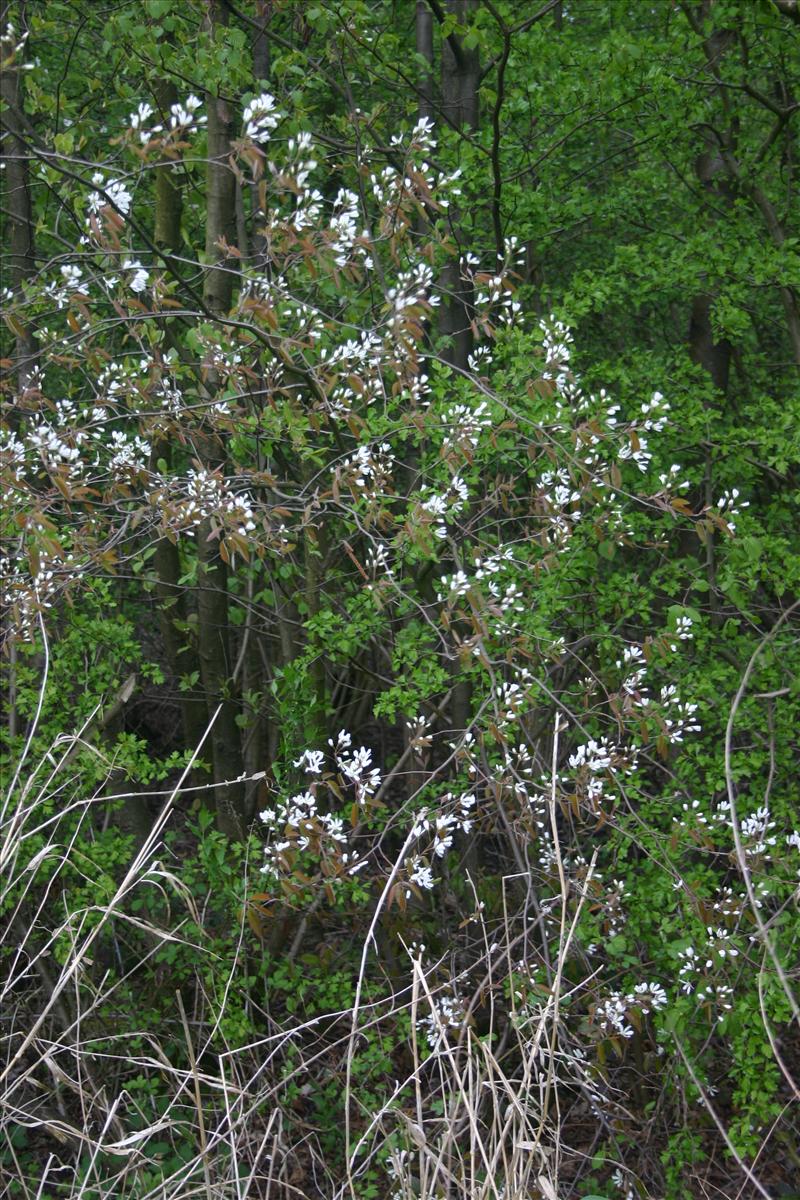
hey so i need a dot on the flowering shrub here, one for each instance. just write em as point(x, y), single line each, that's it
point(453, 792)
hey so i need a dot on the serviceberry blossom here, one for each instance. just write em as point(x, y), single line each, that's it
point(446, 1013)
point(260, 117)
point(595, 756)
point(12, 43)
point(755, 833)
point(344, 228)
point(636, 450)
point(678, 717)
point(183, 116)
point(683, 628)
point(556, 342)
point(137, 121)
point(60, 293)
point(455, 816)
point(669, 479)
point(655, 413)
point(356, 766)
point(129, 453)
point(139, 277)
point(114, 193)
point(420, 874)
point(301, 824)
point(311, 761)
point(419, 736)
point(203, 494)
point(454, 586)
point(612, 1013)
point(447, 504)
point(729, 505)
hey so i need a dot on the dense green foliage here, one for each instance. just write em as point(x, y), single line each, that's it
point(399, 457)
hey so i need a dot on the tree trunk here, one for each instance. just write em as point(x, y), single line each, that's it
point(217, 670)
point(213, 625)
point(172, 609)
point(19, 212)
point(460, 81)
point(424, 39)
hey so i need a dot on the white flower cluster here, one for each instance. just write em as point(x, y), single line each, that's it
point(668, 480)
point(613, 1013)
point(592, 761)
point(369, 469)
point(377, 561)
point(184, 117)
point(138, 119)
point(356, 766)
point(418, 181)
point(729, 505)
point(11, 43)
point(679, 716)
point(419, 734)
point(139, 276)
point(693, 974)
point(447, 1012)
point(421, 138)
point(205, 494)
point(557, 348)
point(344, 231)
point(260, 117)
point(464, 424)
point(412, 290)
point(683, 628)
point(298, 825)
point(756, 833)
point(510, 698)
point(292, 177)
point(114, 194)
point(480, 359)
point(559, 499)
point(129, 454)
point(494, 296)
point(23, 595)
point(454, 815)
point(53, 448)
point(654, 413)
point(60, 293)
point(446, 505)
point(655, 419)
point(633, 682)
point(637, 452)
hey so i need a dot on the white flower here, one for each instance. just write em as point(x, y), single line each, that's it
point(140, 277)
point(311, 761)
point(260, 117)
point(422, 876)
point(683, 628)
point(115, 193)
point(182, 116)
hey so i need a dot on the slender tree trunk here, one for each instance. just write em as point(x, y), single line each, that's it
point(712, 355)
point(213, 624)
point(460, 82)
point(172, 609)
point(21, 257)
point(261, 51)
point(316, 717)
point(216, 669)
point(424, 39)
point(19, 209)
